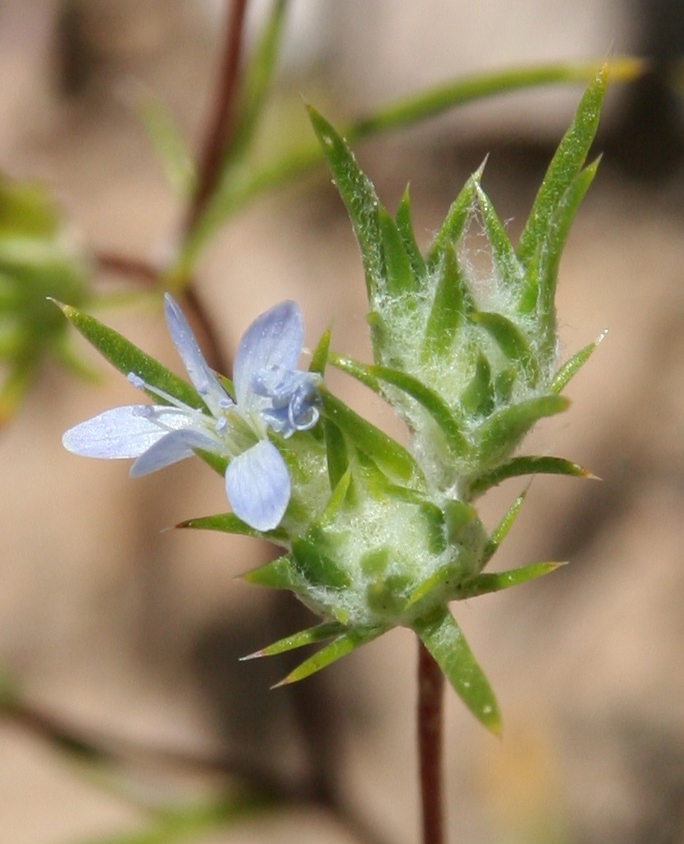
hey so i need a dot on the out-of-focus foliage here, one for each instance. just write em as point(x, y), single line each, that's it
point(39, 260)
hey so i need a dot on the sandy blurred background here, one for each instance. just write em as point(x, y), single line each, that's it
point(129, 634)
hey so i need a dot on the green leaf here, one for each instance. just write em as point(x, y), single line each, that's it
point(509, 270)
point(524, 465)
point(445, 574)
point(501, 530)
point(340, 647)
point(571, 366)
point(408, 238)
point(496, 581)
point(339, 496)
point(399, 273)
point(499, 434)
point(465, 89)
point(285, 167)
point(168, 142)
point(565, 166)
point(319, 359)
point(316, 566)
point(429, 399)
point(478, 396)
point(454, 222)
point(230, 523)
point(276, 574)
point(545, 268)
point(443, 638)
point(386, 452)
point(336, 452)
point(510, 340)
point(452, 302)
point(127, 358)
point(311, 636)
point(358, 195)
point(27, 210)
point(379, 486)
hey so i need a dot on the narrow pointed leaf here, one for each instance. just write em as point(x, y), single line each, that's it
point(399, 273)
point(478, 396)
point(319, 358)
point(496, 581)
point(508, 268)
point(499, 434)
point(340, 647)
point(386, 452)
point(230, 523)
point(358, 195)
point(337, 499)
point(454, 222)
point(311, 636)
point(276, 574)
point(316, 566)
point(129, 358)
point(565, 165)
point(445, 575)
point(292, 163)
point(571, 366)
point(408, 238)
point(336, 452)
point(452, 302)
point(380, 486)
point(510, 340)
point(443, 638)
point(545, 267)
point(527, 466)
point(429, 399)
point(501, 530)
point(171, 147)
point(504, 383)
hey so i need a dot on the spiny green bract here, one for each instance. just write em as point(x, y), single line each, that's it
point(377, 535)
point(470, 364)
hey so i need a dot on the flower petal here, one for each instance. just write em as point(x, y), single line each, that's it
point(258, 486)
point(199, 372)
point(117, 433)
point(273, 339)
point(174, 446)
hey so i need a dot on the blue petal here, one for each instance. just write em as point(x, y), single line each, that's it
point(273, 339)
point(171, 448)
point(116, 433)
point(258, 486)
point(199, 372)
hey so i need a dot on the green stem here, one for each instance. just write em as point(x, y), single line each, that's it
point(430, 724)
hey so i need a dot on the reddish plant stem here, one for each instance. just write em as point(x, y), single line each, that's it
point(430, 722)
point(138, 270)
point(222, 121)
point(135, 269)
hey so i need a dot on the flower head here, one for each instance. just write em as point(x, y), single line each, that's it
point(269, 393)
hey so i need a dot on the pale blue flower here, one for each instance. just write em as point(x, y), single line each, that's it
point(270, 392)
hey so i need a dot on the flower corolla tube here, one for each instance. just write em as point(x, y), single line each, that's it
point(269, 393)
